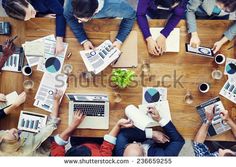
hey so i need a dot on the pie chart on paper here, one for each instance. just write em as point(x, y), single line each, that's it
point(53, 65)
point(231, 68)
point(152, 95)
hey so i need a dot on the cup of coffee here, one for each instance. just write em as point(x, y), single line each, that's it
point(26, 70)
point(219, 59)
point(204, 87)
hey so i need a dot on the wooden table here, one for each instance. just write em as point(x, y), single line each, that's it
point(193, 69)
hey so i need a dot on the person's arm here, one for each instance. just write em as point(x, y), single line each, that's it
point(75, 26)
point(60, 140)
point(176, 141)
point(127, 136)
point(142, 19)
point(57, 8)
point(107, 146)
point(225, 116)
point(52, 123)
point(20, 100)
point(129, 15)
point(178, 14)
point(192, 7)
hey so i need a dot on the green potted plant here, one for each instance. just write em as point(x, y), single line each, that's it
point(122, 78)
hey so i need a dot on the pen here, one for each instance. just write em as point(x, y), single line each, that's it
point(69, 55)
point(11, 40)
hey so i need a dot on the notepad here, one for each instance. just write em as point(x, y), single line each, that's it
point(140, 117)
point(10, 99)
point(129, 49)
point(173, 40)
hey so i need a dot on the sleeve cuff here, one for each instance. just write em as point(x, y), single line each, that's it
point(83, 42)
point(119, 41)
point(110, 139)
point(148, 133)
point(228, 35)
point(60, 141)
point(163, 122)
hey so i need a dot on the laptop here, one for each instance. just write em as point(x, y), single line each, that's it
point(95, 107)
point(217, 126)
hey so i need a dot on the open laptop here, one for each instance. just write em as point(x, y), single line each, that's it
point(96, 108)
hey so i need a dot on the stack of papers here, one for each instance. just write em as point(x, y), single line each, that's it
point(44, 98)
point(41, 52)
point(229, 88)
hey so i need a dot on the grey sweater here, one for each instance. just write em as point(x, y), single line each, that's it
point(205, 8)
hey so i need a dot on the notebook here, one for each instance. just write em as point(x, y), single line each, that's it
point(173, 40)
point(142, 119)
point(10, 99)
point(129, 49)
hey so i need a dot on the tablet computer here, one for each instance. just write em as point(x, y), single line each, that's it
point(201, 51)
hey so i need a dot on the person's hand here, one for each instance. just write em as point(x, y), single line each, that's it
point(160, 137)
point(195, 41)
point(57, 95)
point(117, 44)
point(88, 45)
point(217, 46)
point(77, 119)
point(225, 115)
point(125, 123)
point(2, 97)
point(210, 111)
point(154, 113)
point(20, 99)
point(59, 46)
point(51, 15)
point(8, 48)
point(161, 43)
point(152, 46)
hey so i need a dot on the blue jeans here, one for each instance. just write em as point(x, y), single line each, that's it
point(111, 9)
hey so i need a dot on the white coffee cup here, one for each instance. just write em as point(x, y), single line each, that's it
point(26, 70)
point(219, 59)
point(204, 87)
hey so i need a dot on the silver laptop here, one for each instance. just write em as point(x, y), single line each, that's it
point(95, 107)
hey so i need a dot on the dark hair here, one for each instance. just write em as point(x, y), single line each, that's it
point(229, 4)
point(166, 3)
point(233, 148)
point(84, 8)
point(15, 8)
point(79, 151)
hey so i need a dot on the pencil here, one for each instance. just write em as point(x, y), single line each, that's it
point(69, 55)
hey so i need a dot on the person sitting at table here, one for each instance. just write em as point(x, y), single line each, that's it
point(200, 149)
point(77, 12)
point(16, 143)
point(210, 9)
point(175, 8)
point(135, 142)
point(28, 9)
point(5, 111)
point(88, 148)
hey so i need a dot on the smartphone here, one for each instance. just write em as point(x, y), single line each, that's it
point(201, 51)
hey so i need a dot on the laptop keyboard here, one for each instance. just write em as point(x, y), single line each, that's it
point(93, 110)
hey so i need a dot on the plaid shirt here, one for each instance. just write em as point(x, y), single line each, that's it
point(201, 150)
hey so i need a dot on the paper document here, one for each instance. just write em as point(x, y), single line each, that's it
point(10, 99)
point(49, 84)
point(97, 60)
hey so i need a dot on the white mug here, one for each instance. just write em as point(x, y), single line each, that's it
point(26, 70)
point(219, 59)
point(204, 87)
